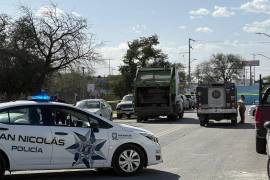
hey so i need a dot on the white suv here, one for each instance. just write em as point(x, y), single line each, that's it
point(49, 135)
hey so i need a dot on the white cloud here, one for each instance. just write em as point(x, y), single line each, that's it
point(257, 26)
point(222, 12)
point(44, 11)
point(204, 30)
point(115, 54)
point(182, 27)
point(139, 28)
point(114, 51)
point(257, 6)
point(195, 17)
point(199, 13)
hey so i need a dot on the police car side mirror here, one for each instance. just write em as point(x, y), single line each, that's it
point(267, 125)
point(94, 126)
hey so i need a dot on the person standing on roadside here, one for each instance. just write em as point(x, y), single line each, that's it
point(242, 108)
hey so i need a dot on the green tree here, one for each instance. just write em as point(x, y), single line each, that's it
point(141, 53)
point(220, 67)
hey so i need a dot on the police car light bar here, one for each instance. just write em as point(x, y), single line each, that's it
point(41, 97)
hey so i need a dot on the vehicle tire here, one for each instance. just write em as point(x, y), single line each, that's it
point(139, 118)
point(119, 116)
point(181, 115)
point(2, 166)
point(234, 121)
point(145, 118)
point(128, 160)
point(172, 117)
point(128, 116)
point(260, 145)
point(203, 121)
point(268, 167)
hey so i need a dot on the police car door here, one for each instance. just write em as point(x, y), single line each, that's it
point(82, 147)
point(26, 137)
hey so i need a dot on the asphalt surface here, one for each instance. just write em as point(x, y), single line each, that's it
point(219, 151)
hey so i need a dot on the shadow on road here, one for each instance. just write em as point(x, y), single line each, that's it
point(230, 126)
point(167, 121)
point(89, 174)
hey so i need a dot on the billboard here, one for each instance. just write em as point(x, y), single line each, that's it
point(251, 63)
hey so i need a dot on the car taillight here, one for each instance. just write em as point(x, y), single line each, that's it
point(258, 117)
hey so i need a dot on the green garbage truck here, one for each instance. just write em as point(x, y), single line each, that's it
point(156, 93)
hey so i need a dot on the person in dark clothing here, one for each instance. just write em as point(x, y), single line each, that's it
point(242, 108)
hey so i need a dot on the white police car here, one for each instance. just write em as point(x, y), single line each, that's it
point(39, 135)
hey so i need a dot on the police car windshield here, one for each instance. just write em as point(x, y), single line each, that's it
point(89, 104)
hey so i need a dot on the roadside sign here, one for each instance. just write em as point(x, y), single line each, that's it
point(90, 87)
point(251, 63)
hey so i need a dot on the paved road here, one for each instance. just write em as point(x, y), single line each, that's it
point(191, 152)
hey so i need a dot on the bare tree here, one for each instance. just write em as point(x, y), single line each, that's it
point(60, 40)
point(4, 23)
point(33, 47)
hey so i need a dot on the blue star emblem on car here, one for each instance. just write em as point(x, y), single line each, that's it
point(86, 149)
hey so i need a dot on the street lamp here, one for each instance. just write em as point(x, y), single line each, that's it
point(263, 56)
point(260, 33)
point(194, 60)
point(189, 47)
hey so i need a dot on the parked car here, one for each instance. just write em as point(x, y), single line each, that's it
point(252, 108)
point(262, 115)
point(34, 136)
point(97, 106)
point(267, 126)
point(125, 107)
point(185, 102)
point(191, 100)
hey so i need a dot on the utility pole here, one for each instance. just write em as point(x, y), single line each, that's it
point(189, 48)
point(244, 76)
point(254, 57)
point(109, 66)
point(250, 75)
point(83, 86)
point(109, 59)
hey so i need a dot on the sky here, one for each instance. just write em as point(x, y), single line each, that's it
point(217, 26)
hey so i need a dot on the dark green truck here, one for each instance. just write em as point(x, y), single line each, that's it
point(156, 93)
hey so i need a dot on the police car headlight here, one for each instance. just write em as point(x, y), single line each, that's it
point(150, 136)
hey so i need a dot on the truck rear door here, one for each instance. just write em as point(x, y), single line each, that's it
point(216, 97)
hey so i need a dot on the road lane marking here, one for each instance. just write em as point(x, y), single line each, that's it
point(169, 131)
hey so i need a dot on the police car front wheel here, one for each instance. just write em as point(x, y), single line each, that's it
point(128, 160)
